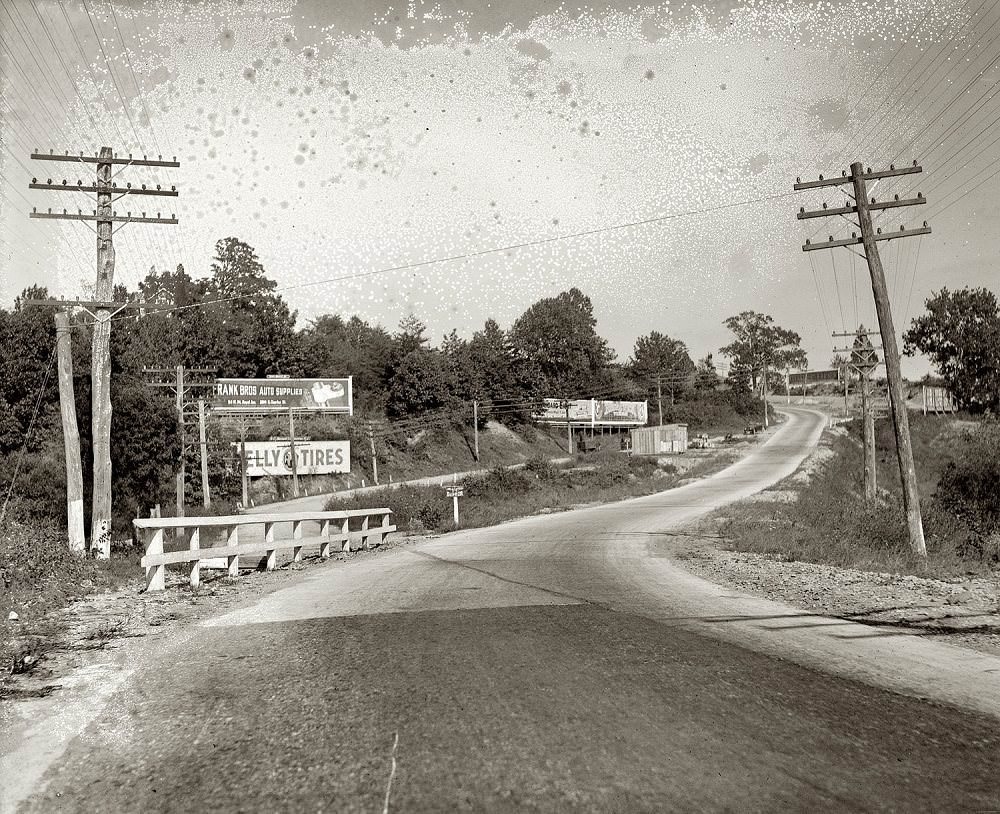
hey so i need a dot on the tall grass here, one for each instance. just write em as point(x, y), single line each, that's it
point(831, 522)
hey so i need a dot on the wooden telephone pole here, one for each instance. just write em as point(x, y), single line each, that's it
point(475, 427)
point(869, 239)
point(71, 436)
point(863, 361)
point(181, 380)
point(100, 367)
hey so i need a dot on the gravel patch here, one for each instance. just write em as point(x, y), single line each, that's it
point(964, 609)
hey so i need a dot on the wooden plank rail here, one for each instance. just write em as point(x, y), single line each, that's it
point(334, 530)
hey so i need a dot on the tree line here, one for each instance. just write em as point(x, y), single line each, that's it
point(235, 320)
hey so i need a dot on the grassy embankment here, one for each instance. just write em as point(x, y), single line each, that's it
point(828, 520)
point(38, 575)
point(541, 486)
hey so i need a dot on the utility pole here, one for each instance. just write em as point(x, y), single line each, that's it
point(181, 380)
point(291, 450)
point(763, 391)
point(100, 544)
point(105, 219)
point(863, 361)
point(869, 239)
point(179, 399)
point(569, 428)
point(245, 486)
point(659, 398)
point(71, 436)
point(371, 440)
point(206, 495)
point(475, 427)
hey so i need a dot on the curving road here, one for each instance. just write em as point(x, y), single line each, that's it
point(553, 663)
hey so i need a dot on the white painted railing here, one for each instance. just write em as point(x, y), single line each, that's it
point(334, 529)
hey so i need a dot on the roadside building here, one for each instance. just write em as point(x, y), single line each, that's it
point(661, 440)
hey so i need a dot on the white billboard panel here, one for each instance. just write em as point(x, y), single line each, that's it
point(311, 457)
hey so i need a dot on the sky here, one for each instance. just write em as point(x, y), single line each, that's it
point(461, 160)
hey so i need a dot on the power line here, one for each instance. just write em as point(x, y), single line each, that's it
point(479, 252)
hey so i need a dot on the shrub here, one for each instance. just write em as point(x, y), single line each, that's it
point(542, 468)
point(970, 489)
point(498, 481)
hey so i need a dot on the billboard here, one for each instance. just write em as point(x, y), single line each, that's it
point(554, 411)
point(620, 413)
point(311, 457)
point(280, 395)
point(594, 413)
point(814, 376)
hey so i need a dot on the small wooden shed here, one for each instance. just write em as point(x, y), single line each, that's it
point(662, 440)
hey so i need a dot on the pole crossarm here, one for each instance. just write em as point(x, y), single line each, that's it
point(854, 240)
point(93, 159)
point(858, 350)
point(128, 189)
point(101, 218)
point(854, 333)
point(849, 179)
point(849, 210)
point(87, 304)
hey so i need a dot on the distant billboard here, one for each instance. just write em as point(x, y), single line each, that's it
point(311, 457)
point(594, 413)
point(620, 413)
point(280, 395)
point(814, 376)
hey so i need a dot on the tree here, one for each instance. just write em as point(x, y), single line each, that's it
point(421, 384)
point(659, 362)
point(760, 346)
point(507, 389)
point(557, 343)
point(960, 333)
point(332, 346)
point(251, 329)
point(706, 377)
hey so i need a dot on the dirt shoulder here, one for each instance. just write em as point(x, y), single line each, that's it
point(963, 610)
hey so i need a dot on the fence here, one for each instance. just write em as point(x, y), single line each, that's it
point(227, 555)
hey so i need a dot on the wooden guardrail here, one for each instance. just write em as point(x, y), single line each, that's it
point(334, 529)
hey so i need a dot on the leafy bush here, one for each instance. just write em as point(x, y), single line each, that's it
point(542, 468)
point(970, 489)
point(37, 569)
point(498, 481)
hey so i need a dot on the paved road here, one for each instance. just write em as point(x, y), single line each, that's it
point(551, 664)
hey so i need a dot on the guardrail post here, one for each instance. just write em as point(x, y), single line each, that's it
point(365, 539)
point(385, 525)
point(346, 531)
point(324, 543)
point(271, 552)
point(155, 574)
point(195, 545)
point(297, 535)
point(233, 539)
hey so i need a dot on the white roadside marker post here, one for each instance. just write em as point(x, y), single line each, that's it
point(455, 491)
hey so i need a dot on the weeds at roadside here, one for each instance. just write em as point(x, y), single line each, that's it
point(831, 523)
point(541, 486)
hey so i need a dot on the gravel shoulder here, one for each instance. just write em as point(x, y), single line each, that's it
point(962, 611)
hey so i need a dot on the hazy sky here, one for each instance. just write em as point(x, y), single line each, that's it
point(343, 139)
